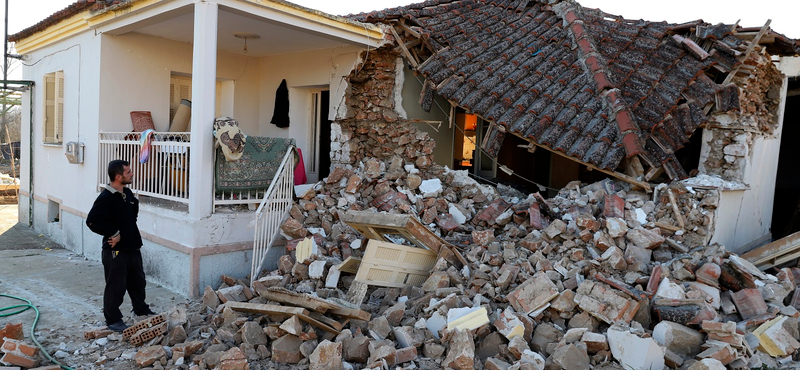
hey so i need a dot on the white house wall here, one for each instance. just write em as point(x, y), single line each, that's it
point(136, 72)
point(54, 178)
point(745, 217)
point(319, 69)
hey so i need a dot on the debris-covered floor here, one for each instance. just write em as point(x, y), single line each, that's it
point(600, 276)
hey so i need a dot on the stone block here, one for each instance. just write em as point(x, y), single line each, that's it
point(253, 334)
point(605, 303)
point(461, 354)
point(327, 356)
point(644, 238)
point(147, 355)
point(569, 357)
point(678, 338)
point(233, 359)
point(616, 227)
point(534, 294)
point(406, 354)
point(356, 349)
point(595, 342)
point(286, 349)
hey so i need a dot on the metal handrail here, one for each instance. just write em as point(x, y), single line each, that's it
point(272, 211)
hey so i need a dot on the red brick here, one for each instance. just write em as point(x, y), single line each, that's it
point(614, 206)
point(18, 359)
point(536, 216)
point(749, 303)
point(13, 331)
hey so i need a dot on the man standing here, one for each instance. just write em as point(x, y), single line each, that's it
point(114, 216)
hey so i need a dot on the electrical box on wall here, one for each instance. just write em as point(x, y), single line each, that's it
point(74, 152)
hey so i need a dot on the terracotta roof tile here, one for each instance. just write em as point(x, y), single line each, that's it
point(548, 77)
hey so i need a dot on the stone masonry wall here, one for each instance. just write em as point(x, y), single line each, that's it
point(373, 127)
point(734, 132)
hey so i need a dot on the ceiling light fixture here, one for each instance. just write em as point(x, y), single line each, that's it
point(245, 36)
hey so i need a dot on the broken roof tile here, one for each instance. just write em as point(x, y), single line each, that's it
point(517, 62)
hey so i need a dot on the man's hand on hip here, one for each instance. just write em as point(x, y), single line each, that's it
point(112, 241)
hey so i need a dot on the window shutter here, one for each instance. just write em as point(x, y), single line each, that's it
point(49, 132)
point(179, 88)
point(59, 129)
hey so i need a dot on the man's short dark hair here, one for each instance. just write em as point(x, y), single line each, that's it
point(116, 167)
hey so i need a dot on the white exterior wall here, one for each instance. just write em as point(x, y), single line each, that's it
point(323, 69)
point(54, 178)
point(744, 218)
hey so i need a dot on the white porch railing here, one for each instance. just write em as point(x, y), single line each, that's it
point(272, 211)
point(165, 175)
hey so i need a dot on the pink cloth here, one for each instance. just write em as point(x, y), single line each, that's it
point(300, 170)
point(145, 141)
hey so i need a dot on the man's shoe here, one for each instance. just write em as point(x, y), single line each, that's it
point(149, 312)
point(118, 326)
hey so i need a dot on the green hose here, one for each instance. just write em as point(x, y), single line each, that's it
point(23, 308)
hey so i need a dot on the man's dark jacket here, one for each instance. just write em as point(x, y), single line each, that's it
point(112, 213)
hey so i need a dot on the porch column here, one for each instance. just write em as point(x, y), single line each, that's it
point(204, 82)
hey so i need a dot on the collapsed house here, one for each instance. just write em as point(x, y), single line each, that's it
point(597, 108)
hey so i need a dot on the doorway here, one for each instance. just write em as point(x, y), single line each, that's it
point(318, 158)
point(786, 205)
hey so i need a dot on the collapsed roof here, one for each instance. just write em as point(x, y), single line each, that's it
point(577, 81)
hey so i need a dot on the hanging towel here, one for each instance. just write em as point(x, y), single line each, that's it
point(281, 115)
point(300, 170)
point(145, 141)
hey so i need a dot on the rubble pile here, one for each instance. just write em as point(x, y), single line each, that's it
point(599, 276)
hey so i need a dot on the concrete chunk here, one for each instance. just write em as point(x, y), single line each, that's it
point(678, 338)
point(633, 352)
point(461, 354)
point(533, 294)
point(327, 356)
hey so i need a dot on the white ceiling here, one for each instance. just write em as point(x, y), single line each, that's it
point(275, 38)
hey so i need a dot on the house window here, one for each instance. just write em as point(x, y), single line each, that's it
point(180, 87)
point(54, 107)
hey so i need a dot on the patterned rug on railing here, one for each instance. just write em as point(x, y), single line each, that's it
point(256, 169)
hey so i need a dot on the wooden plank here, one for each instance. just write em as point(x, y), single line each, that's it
point(265, 309)
point(326, 320)
point(351, 313)
point(296, 299)
point(669, 227)
point(318, 324)
point(675, 208)
point(401, 43)
point(750, 48)
point(775, 251)
point(395, 265)
point(616, 174)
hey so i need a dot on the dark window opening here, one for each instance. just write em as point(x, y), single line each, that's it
point(689, 155)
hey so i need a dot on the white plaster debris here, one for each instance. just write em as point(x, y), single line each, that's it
point(458, 216)
point(633, 352)
point(714, 182)
point(431, 188)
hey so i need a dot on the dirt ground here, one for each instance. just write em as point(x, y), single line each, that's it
point(68, 291)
